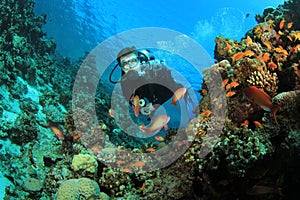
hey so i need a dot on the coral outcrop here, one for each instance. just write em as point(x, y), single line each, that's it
point(235, 149)
point(251, 142)
point(85, 163)
point(82, 188)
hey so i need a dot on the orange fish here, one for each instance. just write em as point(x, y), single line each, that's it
point(203, 92)
point(56, 129)
point(204, 120)
point(234, 84)
point(142, 187)
point(272, 65)
point(237, 56)
point(75, 137)
point(280, 33)
point(289, 25)
point(264, 58)
point(159, 138)
point(258, 124)
point(249, 53)
point(228, 86)
point(281, 24)
point(277, 36)
point(230, 94)
point(224, 82)
point(138, 164)
point(136, 105)
point(206, 113)
point(229, 47)
point(151, 149)
point(178, 94)
point(120, 162)
point(245, 123)
point(125, 170)
point(295, 48)
point(262, 99)
point(159, 122)
point(280, 49)
point(267, 44)
point(111, 112)
point(249, 40)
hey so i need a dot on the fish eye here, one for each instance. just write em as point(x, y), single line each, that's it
point(142, 102)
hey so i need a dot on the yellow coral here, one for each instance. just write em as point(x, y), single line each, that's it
point(68, 190)
point(85, 162)
point(74, 189)
point(266, 80)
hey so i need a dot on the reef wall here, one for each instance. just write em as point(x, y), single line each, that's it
point(254, 156)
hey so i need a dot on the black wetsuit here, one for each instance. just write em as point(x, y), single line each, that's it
point(156, 85)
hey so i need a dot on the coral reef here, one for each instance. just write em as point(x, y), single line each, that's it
point(84, 162)
point(82, 188)
point(251, 142)
point(174, 182)
point(264, 80)
point(51, 150)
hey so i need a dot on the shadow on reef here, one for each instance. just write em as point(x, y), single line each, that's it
point(45, 156)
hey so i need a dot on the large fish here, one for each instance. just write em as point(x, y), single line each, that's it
point(159, 122)
point(262, 99)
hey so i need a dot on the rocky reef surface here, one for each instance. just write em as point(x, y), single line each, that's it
point(237, 151)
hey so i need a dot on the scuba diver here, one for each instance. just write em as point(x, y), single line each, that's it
point(145, 81)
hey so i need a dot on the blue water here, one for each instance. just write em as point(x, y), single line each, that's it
point(80, 25)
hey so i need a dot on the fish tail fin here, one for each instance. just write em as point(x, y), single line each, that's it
point(274, 109)
point(174, 103)
point(143, 128)
point(190, 105)
point(148, 131)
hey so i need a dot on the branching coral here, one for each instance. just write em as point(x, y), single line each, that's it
point(266, 80)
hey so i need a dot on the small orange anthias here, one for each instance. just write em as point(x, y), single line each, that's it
point(59, 133)
point(262, 99)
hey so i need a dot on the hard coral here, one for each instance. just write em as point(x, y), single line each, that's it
point(33, 184)
point(290, 105)
point(266, 80)
point(74, 189)
point(84, 163)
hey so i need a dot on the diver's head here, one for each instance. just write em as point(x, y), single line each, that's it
point(128, 59)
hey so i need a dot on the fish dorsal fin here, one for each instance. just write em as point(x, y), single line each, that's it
point(265, 94)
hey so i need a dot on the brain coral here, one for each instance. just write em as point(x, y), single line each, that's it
point(85, 162)
point(74, 189)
